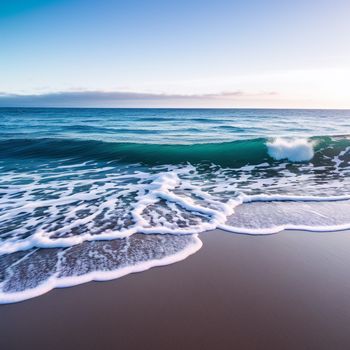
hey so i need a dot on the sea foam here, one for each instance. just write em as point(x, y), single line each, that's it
point(35, 272)
point(295, 150)
point(66, 206)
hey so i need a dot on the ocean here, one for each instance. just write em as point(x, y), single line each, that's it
point(95, 194)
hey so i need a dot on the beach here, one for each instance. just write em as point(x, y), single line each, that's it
point(285, 291)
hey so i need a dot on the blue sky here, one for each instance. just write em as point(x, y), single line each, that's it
point(175, 53)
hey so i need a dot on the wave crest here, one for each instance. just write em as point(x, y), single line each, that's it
point(295, 150)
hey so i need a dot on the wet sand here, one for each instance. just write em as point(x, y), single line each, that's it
point(286, 291)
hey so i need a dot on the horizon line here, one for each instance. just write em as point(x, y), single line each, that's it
point(260, 108)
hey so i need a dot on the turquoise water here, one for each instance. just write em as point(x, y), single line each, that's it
point(94, 194)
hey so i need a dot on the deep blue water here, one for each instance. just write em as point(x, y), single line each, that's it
point(171, 126)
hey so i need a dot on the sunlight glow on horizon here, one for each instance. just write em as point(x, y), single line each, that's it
point(279, 55)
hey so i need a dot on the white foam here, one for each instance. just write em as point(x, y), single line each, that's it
point(295, 150)
point(18, 281)
point(165, 200)
point(338, 158)
point(150, 189)
point(314, 214)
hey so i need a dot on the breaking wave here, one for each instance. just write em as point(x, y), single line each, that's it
point(233, 154)
point(295, 150)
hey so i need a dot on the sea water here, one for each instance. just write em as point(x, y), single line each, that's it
point(94, 194)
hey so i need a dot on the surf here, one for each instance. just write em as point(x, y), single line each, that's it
point(226, 154)
point(76, 193)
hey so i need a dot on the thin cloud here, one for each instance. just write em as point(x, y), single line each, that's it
point(116, 98)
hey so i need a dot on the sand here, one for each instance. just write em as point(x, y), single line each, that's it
point(285, 291)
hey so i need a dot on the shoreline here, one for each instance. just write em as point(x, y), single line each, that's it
point(290, 290)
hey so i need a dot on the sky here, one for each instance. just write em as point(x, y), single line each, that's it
point(166, 53)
